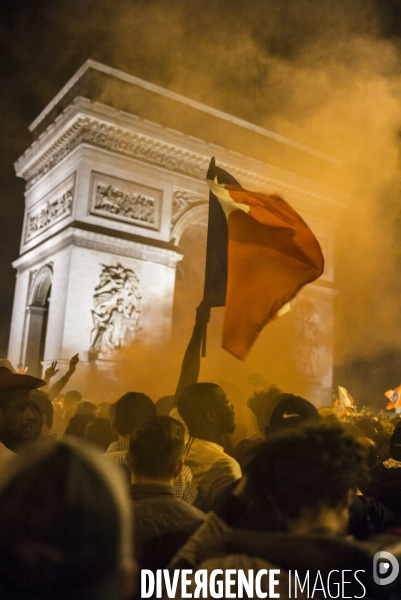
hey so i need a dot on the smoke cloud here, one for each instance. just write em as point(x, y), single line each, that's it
point(320, 73)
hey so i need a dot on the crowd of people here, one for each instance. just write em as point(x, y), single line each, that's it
point(91, 495)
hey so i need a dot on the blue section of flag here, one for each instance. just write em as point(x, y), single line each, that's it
point(217, 243)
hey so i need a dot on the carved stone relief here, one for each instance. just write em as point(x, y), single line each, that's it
point(183, 201)
point(306, 338)
point(126, 201)
point(50, 210)
point(117, 309)
point(103, 135)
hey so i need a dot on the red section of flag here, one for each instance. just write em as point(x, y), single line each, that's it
point(272, 254)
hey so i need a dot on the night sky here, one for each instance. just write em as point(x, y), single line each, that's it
point(204, 49)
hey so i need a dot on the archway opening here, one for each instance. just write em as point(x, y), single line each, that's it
point(37, 318)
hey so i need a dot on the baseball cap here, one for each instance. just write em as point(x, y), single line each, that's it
point(11, 381)
point(292, 411)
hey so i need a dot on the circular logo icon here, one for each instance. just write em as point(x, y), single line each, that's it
point(385, 568)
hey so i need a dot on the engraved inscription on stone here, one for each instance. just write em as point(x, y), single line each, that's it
point(50, 211)
point(117, 309)
point(126, 201)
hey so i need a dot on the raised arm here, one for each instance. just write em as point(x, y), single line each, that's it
point(191, 363)
point(58, 386)
point(49, 373)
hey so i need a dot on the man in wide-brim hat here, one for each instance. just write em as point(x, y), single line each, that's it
point(15, 416)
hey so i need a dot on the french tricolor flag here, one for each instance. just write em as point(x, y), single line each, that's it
point(394, 397)
point(260, 253)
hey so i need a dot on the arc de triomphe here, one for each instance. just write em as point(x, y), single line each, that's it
point(115, 223)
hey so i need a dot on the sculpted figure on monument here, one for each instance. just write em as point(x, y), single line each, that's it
point(133, 206)
point(49, 213)
point(306, 338)
point(182, 201)
point(117, 308)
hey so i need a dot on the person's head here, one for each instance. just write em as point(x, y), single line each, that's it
point(85, 408)
point(328, 415)
point(31, 430)
point(351, 429)
point(367, 426)
point(15, 415)
point(370, 451)
point(71, 399)
point(4, 362)
point(65, 524)
point(99, 432)
point(395, 444)
point(307, 476)
point(77, 425)
point(45, 404)
point(103, 410)
point(291, 412)
point(382, 440)
point(156, 448)
point(206, 410)
point(378, 424)
point(112, 414)
point(131, 410)
point(262, 404)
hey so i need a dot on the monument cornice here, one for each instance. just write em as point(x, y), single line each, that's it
point(74, 237)
point(102, 127)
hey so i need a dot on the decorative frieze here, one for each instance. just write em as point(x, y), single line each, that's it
point(55, 207)
point(126, 201)
point(101, 134)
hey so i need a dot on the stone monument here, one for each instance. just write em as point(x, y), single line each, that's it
point(116, 216)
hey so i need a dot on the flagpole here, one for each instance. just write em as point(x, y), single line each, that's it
point(210, 173)
point(204, 340)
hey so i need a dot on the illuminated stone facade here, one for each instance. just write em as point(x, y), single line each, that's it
point(115, 197)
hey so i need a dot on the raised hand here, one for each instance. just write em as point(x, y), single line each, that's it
point(51, 371)
point(258, 380)
point(202, 314)
point(73, 363)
